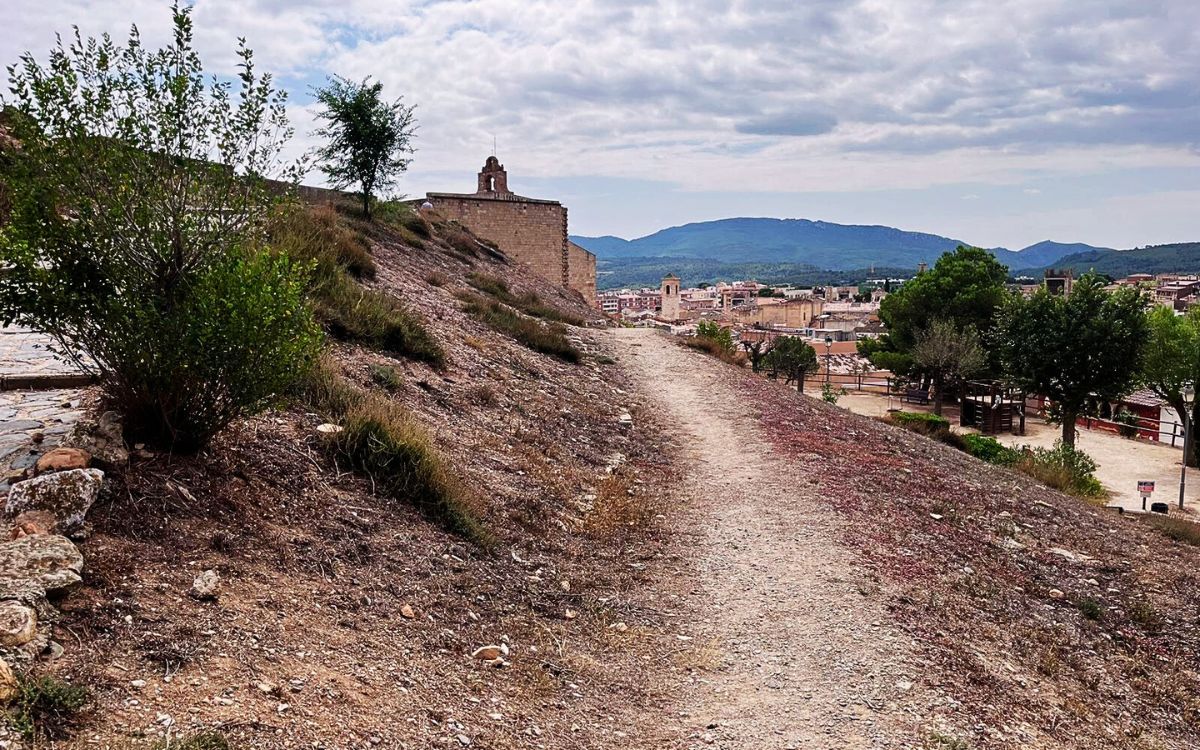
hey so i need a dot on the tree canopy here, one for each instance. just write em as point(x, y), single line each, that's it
point(1070, 348)
point(1171, 362)
point(965, 286)
point(949, 354)
point(369, 138)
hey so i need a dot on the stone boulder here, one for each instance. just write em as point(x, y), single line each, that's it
point(104, 440)
point(33, 522)
point(68, 495)
point(9, 687)
point(34, 566)
point(63, 459)
point(18, 624)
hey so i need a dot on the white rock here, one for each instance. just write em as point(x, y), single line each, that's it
point(206, 585)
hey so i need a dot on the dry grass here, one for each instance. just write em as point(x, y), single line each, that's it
point(483, 394)
point(528, 303)
point(547, 338)
point(714, 349)
point(700, 656)
point(620, 505)
point(319, 234)
point(381, 439)
point(1179, 529)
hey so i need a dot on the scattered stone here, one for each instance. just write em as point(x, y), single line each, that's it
point(267, 688)
point(1056, 594)
point(620, 627)
point(62, 459)
point(67, 494)
point(487, 653)
point(33, 522)
point(904, 686)
point(571, 614)
point(407, 612)
point(137, 684)
point(207, 585)
point(54, 650)
point(463, 740)
point(329, 429)
point(625, 420)
point(9, 688)
point(18, 624)
point(104, 441)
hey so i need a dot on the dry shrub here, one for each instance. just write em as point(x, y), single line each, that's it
point(1179, 529)
point(619, 506)
point(377, 320)
point(437, 278)
point(715, 349)
point(484, 394)
point(475, 343)
point(528, 303)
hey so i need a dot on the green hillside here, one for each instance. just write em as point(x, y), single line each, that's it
point(1181, 257)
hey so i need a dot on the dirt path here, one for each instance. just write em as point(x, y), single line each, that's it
point(798, 655)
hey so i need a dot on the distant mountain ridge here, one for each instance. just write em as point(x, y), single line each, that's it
point(815, 244)
point(1178, 257)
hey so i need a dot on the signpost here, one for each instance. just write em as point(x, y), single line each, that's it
point(1145, 489)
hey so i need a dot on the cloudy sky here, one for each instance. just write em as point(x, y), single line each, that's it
point(999, 122)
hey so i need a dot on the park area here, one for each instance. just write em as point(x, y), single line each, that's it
point(1121, 462)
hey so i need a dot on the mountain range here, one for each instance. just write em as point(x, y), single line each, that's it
point(819, 244)
point(800, 250)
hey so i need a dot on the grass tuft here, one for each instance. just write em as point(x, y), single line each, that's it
point(547, 338)
point(1179, 529)
point(528, 303)
point(386, 377)
point(380, 438)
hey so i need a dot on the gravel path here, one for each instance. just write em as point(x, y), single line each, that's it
point(800, 651)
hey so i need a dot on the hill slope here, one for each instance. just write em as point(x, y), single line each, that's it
point(1183, 257)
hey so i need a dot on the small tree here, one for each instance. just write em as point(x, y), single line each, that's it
point(369, 138)
point(137, 227)
point(1171, 363)
point(756, 349)
point(1073, 347)
point(794, 359)
point(948, 354)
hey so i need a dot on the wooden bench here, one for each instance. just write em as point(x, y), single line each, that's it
point(915, 396)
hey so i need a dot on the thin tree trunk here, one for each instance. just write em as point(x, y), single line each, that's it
point(1068, 427)
point(1193, 457)
point(937, 395)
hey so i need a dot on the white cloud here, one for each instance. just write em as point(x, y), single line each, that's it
point(745, 95)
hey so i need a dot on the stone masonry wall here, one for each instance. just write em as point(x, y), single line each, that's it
point(531, 232)
point(581, 272)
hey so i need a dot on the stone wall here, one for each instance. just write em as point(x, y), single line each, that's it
point(531, 232)
point(581, 272)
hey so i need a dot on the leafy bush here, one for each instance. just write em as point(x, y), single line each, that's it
point(45, 707)
point(831, 393)
point(920, 421)
point(198, 741)
point(136, 232)
point(1127, 423)
point(547, 338)
point(721, 336)
point(990, 449)
point(380, 438)
point(1062, 467)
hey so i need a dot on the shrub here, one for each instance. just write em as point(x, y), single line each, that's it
point(620, 505)
point(1127, 423)
point(1091, 609)
point(716, 341)
point(46, 707)
point(380, 438)
point(136, 231)
point(1062, 467)
point(437, 279)
point(920, 421)
point(831, 393)
point(547, 338)
point(1179, 529)
point(235, 340)
point(719, 335)
point(386, 377)
point(990, 449)
point(198, 741)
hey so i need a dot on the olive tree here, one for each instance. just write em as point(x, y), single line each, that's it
point(136, 231)
point(1069, 348)
point(949, 354)
point(369, 138)
point(794, 359)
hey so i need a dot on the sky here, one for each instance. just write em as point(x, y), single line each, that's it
point(996, 122)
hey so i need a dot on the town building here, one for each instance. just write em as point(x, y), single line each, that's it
point(670, 298)
point(531, 231)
